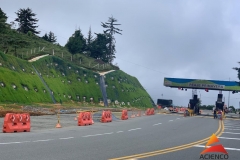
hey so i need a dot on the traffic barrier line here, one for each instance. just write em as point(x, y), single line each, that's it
point(173, 149)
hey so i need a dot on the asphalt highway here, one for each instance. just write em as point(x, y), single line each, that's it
point(160, 136)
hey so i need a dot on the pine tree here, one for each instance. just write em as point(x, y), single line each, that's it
point(26, 21)
point(50, 37)
point(110, 31)
point(100, 48)
point(45, 37)
point(89, 41)
point(76, 43)
point(90, 37)
point(3, 19)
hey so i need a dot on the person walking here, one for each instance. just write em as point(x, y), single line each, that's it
point(214, 114)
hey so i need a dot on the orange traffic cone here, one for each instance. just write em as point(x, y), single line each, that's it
point(58, 125)
point(75, 118)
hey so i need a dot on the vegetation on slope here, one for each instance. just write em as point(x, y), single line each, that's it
point(67, 81)
point(28, 87)
point(126, 89)
point(26, 47)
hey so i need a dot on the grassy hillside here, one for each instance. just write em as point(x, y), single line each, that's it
point(26, 46)
point(67, 81)
point(19, 73)
point(125, 88)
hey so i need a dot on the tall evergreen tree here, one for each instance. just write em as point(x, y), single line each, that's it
point(50, 37)
point(100, 48)
point(3, 19)
point(89, 41)
point(76, 43)
point(26, 21)
point(90, 37)
point(111, 30)
point(45, 37)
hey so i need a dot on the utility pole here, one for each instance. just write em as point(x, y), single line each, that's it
point(228, 96)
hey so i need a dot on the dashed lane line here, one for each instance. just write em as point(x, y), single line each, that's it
point(15, 142)
point(157, 124)
point(93, 135)
point(44, 140)
point(170, 120)
point(67, 138)
point(107, 133)
point(119, 131)
point(134, 129)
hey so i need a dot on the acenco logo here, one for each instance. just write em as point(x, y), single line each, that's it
point(217, 148)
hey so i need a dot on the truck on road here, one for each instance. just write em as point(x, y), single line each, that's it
point(167, 103)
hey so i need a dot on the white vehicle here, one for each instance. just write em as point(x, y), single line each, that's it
point(166, 108)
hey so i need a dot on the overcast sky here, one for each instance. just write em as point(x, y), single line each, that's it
point(160, 38)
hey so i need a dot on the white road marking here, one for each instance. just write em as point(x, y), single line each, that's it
point(45, 140)
point(229, 138)
point(67, 138)
point(231, 129)
point(157, 124)
point(119, 131)
point(170, 120)
point(178, 118)
point(92, 135)
point(232, 126)
point(233, 149)
point(231, 132)
point(108, 133)
point(134, 129)
point(97, 134)
point(15, 142)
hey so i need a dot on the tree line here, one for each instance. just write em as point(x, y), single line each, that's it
point(98, 45)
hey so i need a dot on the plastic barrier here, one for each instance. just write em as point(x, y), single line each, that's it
point(148, 111)
point(24, 122)
point(176, 110)
point(124, 115)
point(85, 118)
point(16, 123)
point(152, 111)
point(106, 116)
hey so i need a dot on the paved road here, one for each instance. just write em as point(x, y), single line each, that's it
point(118, 139)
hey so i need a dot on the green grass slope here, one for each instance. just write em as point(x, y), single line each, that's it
point(69, 82)
point(16, 72)
point(125, 88)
